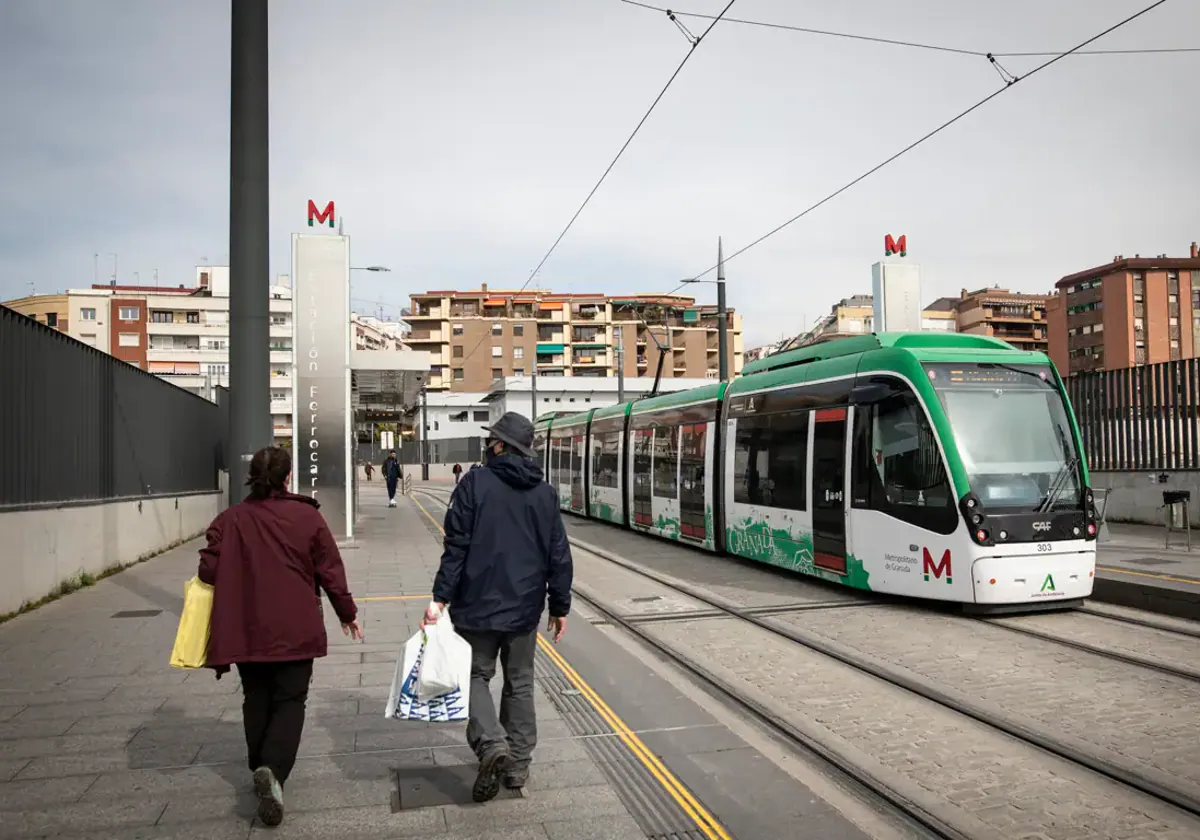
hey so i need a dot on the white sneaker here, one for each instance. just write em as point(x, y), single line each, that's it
point(391, 502)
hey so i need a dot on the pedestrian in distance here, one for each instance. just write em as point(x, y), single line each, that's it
point(457, 472)
point(268, 559)
point(369, 468)
point(505, 554)
point(392, 475)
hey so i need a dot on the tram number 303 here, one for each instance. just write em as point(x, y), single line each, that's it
point(1044, 547)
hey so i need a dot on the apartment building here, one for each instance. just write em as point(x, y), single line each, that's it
point(1128, 312)
point(476, 337)
point(856, 314)
point(1017, 318)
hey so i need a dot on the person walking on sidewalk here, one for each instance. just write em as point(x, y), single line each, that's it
point(268, 559)
point(392, 475)
point(505, 551)
point(457, 472)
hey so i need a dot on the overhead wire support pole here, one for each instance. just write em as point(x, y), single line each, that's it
point(722, 316)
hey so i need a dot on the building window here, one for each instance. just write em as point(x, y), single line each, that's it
point(457, 329)
point(497, 352)
point(87, 314)
point(497, 329)
point(129, 340)
point(518, 330)
point(51, 319)
point(497, 373)
point(193, 317)
point(458, 374)
point(518, 352)
point(129, 313)
point(458, 351)
point(480, 416)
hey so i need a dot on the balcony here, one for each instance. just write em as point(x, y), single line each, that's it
point(281, 356)
point(419, 311)
point(428, 336)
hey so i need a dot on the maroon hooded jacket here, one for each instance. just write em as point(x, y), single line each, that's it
point(266, 559)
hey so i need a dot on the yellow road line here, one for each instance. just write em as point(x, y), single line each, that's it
point(706, 822)
point(1192, 581)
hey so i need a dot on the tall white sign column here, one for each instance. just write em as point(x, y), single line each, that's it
point(321, 405)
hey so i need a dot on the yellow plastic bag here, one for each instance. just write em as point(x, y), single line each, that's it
point(191, 641)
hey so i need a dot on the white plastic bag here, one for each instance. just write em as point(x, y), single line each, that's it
point(404, 701)
point(442, 661)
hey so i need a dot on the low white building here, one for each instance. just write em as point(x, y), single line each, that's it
point(572, 393)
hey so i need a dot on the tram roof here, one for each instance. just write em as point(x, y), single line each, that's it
point(705, 393)
point(915, 342)
point(618, 410)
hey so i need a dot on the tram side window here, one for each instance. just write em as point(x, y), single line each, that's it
point(666, 461)
point(605, 463)
point(539, 448)
point(556, 459)
point(898, 468)
point(770, 462)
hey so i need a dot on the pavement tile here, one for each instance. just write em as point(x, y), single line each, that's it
point(100, 738)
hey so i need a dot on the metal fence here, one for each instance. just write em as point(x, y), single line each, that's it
point(79, 425)
point(463, 450)
point(1140, 418)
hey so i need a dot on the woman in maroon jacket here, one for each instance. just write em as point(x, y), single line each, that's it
point(268, 558)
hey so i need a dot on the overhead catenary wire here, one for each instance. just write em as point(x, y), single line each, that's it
point(929, 135)
point(675, 14)
point(694, 44)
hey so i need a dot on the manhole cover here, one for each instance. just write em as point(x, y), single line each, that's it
point(432, 787)
point(136, 613)
point(1154, 561)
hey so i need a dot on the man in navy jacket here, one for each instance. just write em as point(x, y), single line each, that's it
point(505, 554)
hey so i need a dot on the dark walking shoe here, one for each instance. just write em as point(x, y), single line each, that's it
point(491, 768)
point(516, 777)
point(270, 796)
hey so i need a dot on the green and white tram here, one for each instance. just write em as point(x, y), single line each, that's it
point(932, 465)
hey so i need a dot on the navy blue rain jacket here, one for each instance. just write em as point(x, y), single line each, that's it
point(505, 550)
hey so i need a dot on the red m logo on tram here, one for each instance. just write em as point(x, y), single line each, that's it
point(327, 213)
point(894, 246)
point(942, 568)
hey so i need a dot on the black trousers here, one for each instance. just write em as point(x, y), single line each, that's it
point(274, 696)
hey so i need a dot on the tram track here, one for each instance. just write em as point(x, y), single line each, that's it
point(936, 816)
point(1181, 671)
point(1178, 628)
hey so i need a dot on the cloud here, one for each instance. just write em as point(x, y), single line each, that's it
point(458, 138)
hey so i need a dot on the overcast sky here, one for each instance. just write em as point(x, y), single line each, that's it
point(457, 138)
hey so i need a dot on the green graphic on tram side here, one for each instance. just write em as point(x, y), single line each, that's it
point(667, 527)
point(780, 547)
point(1048, 583)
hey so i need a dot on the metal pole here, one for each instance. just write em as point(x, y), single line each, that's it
point(722, 316)
point(533, 415)
point(424, 438)
point(620, 365)
point(249, 230)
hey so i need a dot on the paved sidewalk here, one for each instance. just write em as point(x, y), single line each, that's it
point(100, 738)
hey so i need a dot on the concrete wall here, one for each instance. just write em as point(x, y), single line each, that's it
point(1137, 496)
point(46, 546)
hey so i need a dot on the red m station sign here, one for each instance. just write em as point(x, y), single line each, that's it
point(327, 214)
point(890, 246)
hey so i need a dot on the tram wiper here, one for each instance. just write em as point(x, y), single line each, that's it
point(1059, 481)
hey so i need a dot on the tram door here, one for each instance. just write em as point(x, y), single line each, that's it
point(829, 488)
point(693, 524)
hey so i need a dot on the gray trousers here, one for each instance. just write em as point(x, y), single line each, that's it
point(516, 724)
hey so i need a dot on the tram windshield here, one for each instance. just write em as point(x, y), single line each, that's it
point(1013, 434)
